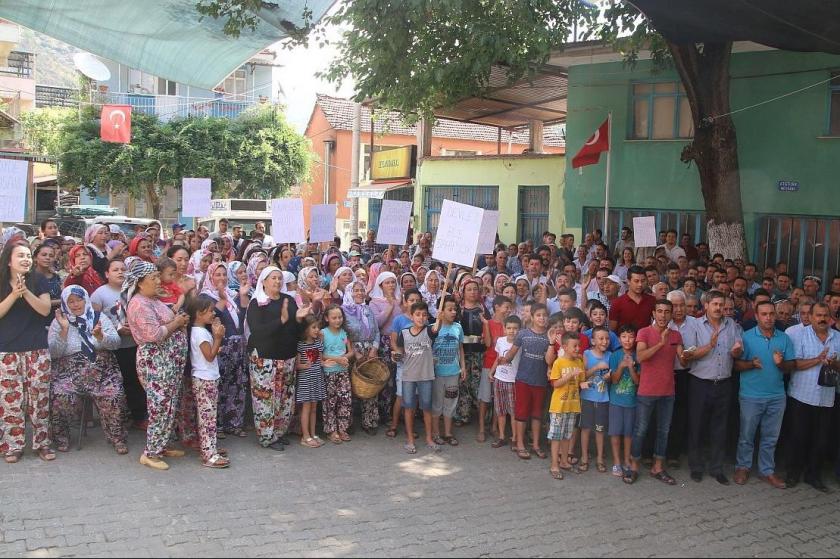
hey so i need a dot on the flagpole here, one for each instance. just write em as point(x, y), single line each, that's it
point(605, 235)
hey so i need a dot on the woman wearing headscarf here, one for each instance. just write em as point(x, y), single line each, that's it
point(96, 240)
point(24, 354)
point(237, 276)
point(233, 381)
point(11, 234)
point(472, 318)
point(257, 262)
point(141, 247)
point(161, 357)
point(432, 290)
point(523, 290)
point(81, 347)
point(363, 332)
point(407, 281)
point(331, 264)
point(272, 322)
point(309, 290)
point(385, 305)
point(81, 271)
point(228, 254)
point(342, 278)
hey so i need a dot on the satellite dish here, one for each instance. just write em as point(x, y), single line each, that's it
point(91, 66)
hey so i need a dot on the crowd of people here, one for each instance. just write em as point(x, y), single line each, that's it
point(193, 337)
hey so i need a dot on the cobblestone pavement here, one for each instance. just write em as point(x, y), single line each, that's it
point(368, 498)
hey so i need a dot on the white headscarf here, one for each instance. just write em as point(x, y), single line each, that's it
point(376, 292)
point(259, 293)
point(288, 278)
point(432, 299)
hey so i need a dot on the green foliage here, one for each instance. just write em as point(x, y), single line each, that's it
point(256, 155)
point(240, 15)
point(42, 128)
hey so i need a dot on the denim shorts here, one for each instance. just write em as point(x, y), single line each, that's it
point(485, 387)
point(417, 390)
point(399, 380)
point(622, 421)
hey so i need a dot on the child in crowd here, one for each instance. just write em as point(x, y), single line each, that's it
point(595, 398)
point(525, 313)
point(493, 330)
point(566, 377)
point(170, 293)
point(624, 380)
point(337, 408)
point(403, 321)
point(450, 370)
point(531, 379)
point(414, 349)
point(503, 378)
point(204, 349)
point(598, 317)
point(311, 387)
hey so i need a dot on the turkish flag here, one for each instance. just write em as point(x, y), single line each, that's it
point(590, 153)
point(116, 124)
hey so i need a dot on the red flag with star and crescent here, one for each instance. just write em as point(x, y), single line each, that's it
point(591, 151)
point(116, 124)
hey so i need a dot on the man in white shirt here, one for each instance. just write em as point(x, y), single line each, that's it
point(671, 249)
point(267, 240)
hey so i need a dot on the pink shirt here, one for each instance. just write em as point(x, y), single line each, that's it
point(385, 313)
point(146, 318)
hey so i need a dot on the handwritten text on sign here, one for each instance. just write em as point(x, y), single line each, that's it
point(393, 222)
point(457, 233)
point(196, 197)
point(13, 175)
point(644, 232)
point(323, 223)
point(287, 220)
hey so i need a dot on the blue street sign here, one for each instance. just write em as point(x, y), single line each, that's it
point(788, 186)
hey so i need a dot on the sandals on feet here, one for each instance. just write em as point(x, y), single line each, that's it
point(121, 448)
point(523, 454)
point(630, 477)
point(391, 433)
point(452, 441)
point(310, 442)
point(410, 448)
point(663, 477)
point(335, 438)
point(433, 447)
point(345, 438)
point(556, 474)
point(439, 440)
point(582, 466)
point(46, 454)
point(498, 443)
point(573, 460)
point(601, 467)
point(540, 453)
point(13, 457)
point(217, 461)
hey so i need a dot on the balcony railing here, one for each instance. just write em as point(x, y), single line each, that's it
point(167, 107)
point(19, 64)
point(54, 96)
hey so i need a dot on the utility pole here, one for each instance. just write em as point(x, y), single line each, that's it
point(354, 167)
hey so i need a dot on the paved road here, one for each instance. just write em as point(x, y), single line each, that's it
point(369, 498)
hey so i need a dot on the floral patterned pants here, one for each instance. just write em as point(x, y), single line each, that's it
point(187, 424)
point(233, 385)
point(74, 376)
point(161, 366)
point(272, 396)
point(24, 390)
point(337, 408)
point(468, 396)
point(206, 396)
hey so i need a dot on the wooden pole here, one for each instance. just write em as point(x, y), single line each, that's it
point(445, 287)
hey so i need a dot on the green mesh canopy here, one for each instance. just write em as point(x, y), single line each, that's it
point(166, 38)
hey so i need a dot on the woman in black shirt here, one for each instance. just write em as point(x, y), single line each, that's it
point(24, 354)
point(272, 323)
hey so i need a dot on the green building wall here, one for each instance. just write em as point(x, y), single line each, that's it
point(506, 173)
point(784, 140)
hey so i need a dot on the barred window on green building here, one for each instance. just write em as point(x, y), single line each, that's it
point(834, 105)
point(661, 112)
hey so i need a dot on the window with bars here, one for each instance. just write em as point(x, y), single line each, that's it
point(809, 245)
point(834, 105)
point(661, 112)
point(683, 221)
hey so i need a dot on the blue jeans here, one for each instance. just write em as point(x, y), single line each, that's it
point(764, 414)
point(664, 406)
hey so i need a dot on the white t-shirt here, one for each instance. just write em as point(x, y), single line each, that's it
point(268, 241)
point(201, 368)
point(506, 373)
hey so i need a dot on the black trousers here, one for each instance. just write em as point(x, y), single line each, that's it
point(708, 408)
point(679, 420)
point(809, 427)
point(135, 395)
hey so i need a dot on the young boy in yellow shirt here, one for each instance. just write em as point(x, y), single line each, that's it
point(567, 375)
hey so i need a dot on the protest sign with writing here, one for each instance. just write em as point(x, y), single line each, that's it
point(13, 178)
point(487, 236)
point(287, 220)
point(323, 223)
point(644, 232)
point(393, 222)
point(456, 239)
point(195, 197)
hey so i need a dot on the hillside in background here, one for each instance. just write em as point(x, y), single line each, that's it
point(53, 59)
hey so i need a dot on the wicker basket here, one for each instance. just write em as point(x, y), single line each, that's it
point(369, 378)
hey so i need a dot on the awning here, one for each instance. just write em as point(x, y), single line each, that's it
point(166, 38)
point(377, 189)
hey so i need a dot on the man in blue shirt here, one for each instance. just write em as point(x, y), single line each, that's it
point(768, 355)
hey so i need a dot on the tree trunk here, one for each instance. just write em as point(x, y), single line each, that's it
point(153, 200)
point(704, 69)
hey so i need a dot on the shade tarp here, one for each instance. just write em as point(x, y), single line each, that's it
point(166, 38)
point(797, 25)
